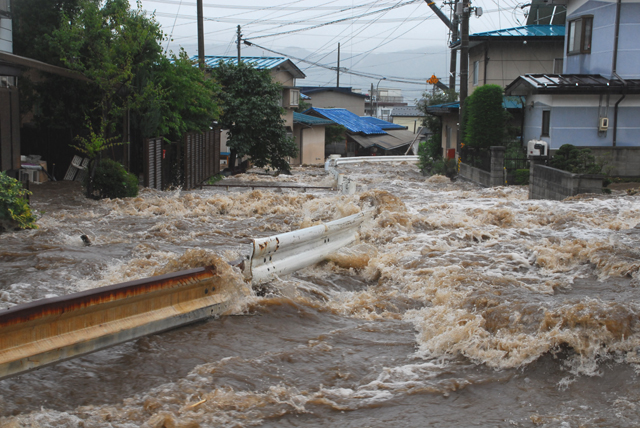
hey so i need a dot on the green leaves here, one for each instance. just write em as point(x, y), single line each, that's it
point(573, 159)
point(14, 209)
point(252, 114)
point(485, 117)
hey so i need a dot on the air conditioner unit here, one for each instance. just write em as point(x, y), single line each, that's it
point(603, 125)
point(537, 148)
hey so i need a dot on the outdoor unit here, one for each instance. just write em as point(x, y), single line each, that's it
point(537, 148)
point(604, 124)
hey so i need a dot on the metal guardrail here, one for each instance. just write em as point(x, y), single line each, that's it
point(375, 159)
point(47, 331)
point(266, 186)
point(288, 252)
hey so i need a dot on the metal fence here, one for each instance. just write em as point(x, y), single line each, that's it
point(185, 164)
point(478, 158)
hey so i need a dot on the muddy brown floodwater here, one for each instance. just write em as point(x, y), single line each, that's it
point(458, 306)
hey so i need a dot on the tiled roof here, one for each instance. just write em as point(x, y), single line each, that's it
point(344, 117)
point(524, 31)
point(571, 84)
point(310, 120)
point(309, 90)
point(408, 111)
point(382, 123)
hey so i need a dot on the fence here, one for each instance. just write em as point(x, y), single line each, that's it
point(183, 164)
point(476, 158)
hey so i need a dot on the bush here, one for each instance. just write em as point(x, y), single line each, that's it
point(111, 180)
point(572, 159)
point(521, 177)
point(15, 212)
point(429, 152)
point(484, 122)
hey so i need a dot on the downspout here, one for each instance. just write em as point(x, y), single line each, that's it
point(615, 72)
point(486, 60)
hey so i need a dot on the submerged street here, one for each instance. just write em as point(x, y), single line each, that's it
point(458, 306)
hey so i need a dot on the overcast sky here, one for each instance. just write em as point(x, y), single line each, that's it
point(400, 40)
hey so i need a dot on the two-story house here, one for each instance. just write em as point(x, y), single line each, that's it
point(595, 101)
point(498, 57)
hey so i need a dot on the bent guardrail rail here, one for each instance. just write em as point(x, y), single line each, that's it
point(288, 252)
point(43, 332)
point(347, 185)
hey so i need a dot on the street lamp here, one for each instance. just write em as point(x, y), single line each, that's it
point(378, 94)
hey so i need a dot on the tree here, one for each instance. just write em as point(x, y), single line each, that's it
point(112, 45)
point(484, 125)
point(253, 116)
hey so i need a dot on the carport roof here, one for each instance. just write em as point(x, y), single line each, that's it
point(571, 84)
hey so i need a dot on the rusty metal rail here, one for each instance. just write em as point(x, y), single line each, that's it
point(47, 331)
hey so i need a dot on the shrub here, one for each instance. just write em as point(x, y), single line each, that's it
point(573, 159)
point(15, 212)
point(111, 180)
point(521, 177)
point(484, 121)
point(429, 152)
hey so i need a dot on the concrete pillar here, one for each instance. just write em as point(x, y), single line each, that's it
point(497, 166)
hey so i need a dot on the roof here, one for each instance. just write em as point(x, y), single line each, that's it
point(528, 32)
point(545, 12)
point(409, 111)
point(382, 123)
point(391, 140)
point(16, 60)
point(259, 62)
point(571, 84)
point(308, 90)
point(524, 31)
point(508, 102)
point(310, 120)
point(344, 117)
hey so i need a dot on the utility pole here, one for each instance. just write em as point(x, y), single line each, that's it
point(200, 35)
point(453, 66)
point(464, 65)
point(338, 69)
point(239, 44)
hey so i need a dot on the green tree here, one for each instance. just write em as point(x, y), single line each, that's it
point(253, 116)
point(112, 45)
point(429, 98)
point(576, 160)
point(14, 209)
point(484, 125)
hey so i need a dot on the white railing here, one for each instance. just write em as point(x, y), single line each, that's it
point(288, 252)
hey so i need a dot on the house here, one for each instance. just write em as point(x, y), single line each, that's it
point(409, 116)
point(383, 101)
point(497, 57)
point(308, 132)
point(595, 101)
point(333, 97)
point(449, 115)
point(283, 71)
point(11, 68)
point(367, 136)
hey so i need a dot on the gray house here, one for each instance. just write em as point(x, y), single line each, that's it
point(595, 101)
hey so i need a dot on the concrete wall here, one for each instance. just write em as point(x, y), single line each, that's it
point(310, 142)
point(624, 161)
point(494, 178)
point(600, 60)
point(550, 183)
point(507, 60)
point(330, 99)
point(574, 120)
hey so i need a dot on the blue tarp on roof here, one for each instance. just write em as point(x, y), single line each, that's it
point(344, 117)
point(310, 120)
point(382, 123)
point(525, 31)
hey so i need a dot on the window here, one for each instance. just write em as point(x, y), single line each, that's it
point(546, 120)
point(558, 65)
point(476, 72)
point(294, 97)
point(580, 31)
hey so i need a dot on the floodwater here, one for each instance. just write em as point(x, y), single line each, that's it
point(459, 306)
